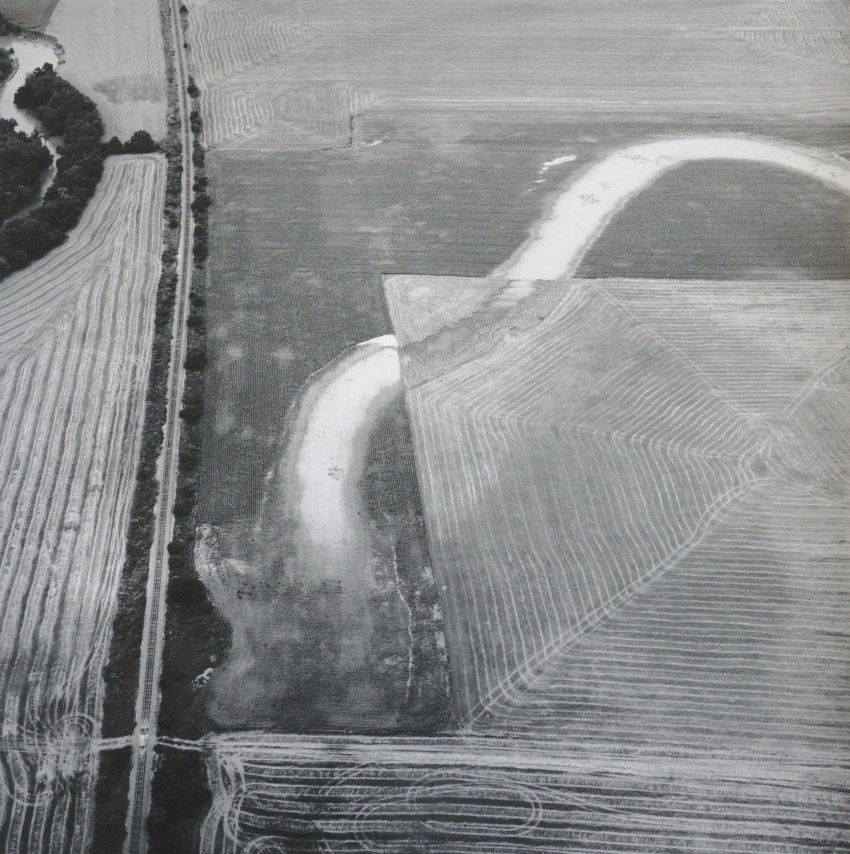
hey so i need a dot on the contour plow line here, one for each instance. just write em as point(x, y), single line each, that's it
point(511, 687)
point(555, 251)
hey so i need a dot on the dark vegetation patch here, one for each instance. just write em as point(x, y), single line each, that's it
point(195, 633)
point(121, 674)
point(727, 220)
point(390, 493)
point(111, 800)
point(7, 63)
point(180, 800)
point(23, 159)
point(62, 111)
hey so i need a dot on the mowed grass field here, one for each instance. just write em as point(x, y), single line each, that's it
point(75, 337)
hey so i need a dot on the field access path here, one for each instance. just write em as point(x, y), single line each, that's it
point(147, 701)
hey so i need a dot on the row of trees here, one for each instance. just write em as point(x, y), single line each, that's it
point(23, 159)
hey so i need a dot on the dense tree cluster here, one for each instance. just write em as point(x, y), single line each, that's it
point(23, 159)
point(141, 142)
point(7, 64)
point(62, 111)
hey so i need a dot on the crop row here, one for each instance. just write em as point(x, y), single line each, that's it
point(71, 402)
point(295, 794)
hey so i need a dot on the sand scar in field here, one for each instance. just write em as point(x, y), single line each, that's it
point(337, 409)
point(580, 214)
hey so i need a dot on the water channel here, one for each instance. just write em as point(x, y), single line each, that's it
point(30, 54)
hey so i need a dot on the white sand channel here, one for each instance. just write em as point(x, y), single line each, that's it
point(582, 212)
point(332, 438)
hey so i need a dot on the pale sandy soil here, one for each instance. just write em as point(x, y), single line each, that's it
point(327, 463)
point(114, 53)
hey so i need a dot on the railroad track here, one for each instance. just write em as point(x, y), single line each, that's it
point(147, 703)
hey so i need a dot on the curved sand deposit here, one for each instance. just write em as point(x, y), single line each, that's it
point(580, 215)
point(324, 460)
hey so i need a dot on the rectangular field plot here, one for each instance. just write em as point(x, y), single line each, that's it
point(635, 495)
point(279, 77)
point(452, 796)
point(75, 338)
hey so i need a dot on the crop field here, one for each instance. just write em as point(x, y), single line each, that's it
point(527, 365)
point(276, 78)
point(622, 467)
point(300, 795)
point(304, 621)
point(114, 53)
point(75, 336)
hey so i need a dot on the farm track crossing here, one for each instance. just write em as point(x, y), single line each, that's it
point(77, 331)
point(147, 702)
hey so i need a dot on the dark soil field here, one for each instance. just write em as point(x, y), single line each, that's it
point(727, 221)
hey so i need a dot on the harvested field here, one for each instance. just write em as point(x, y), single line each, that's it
point(451, 796)
point(606, 464)
point(76, 333)
point(662, 60)
point(614, 462)
point(114, 53)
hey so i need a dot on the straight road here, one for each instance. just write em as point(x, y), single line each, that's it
point(147, 702)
